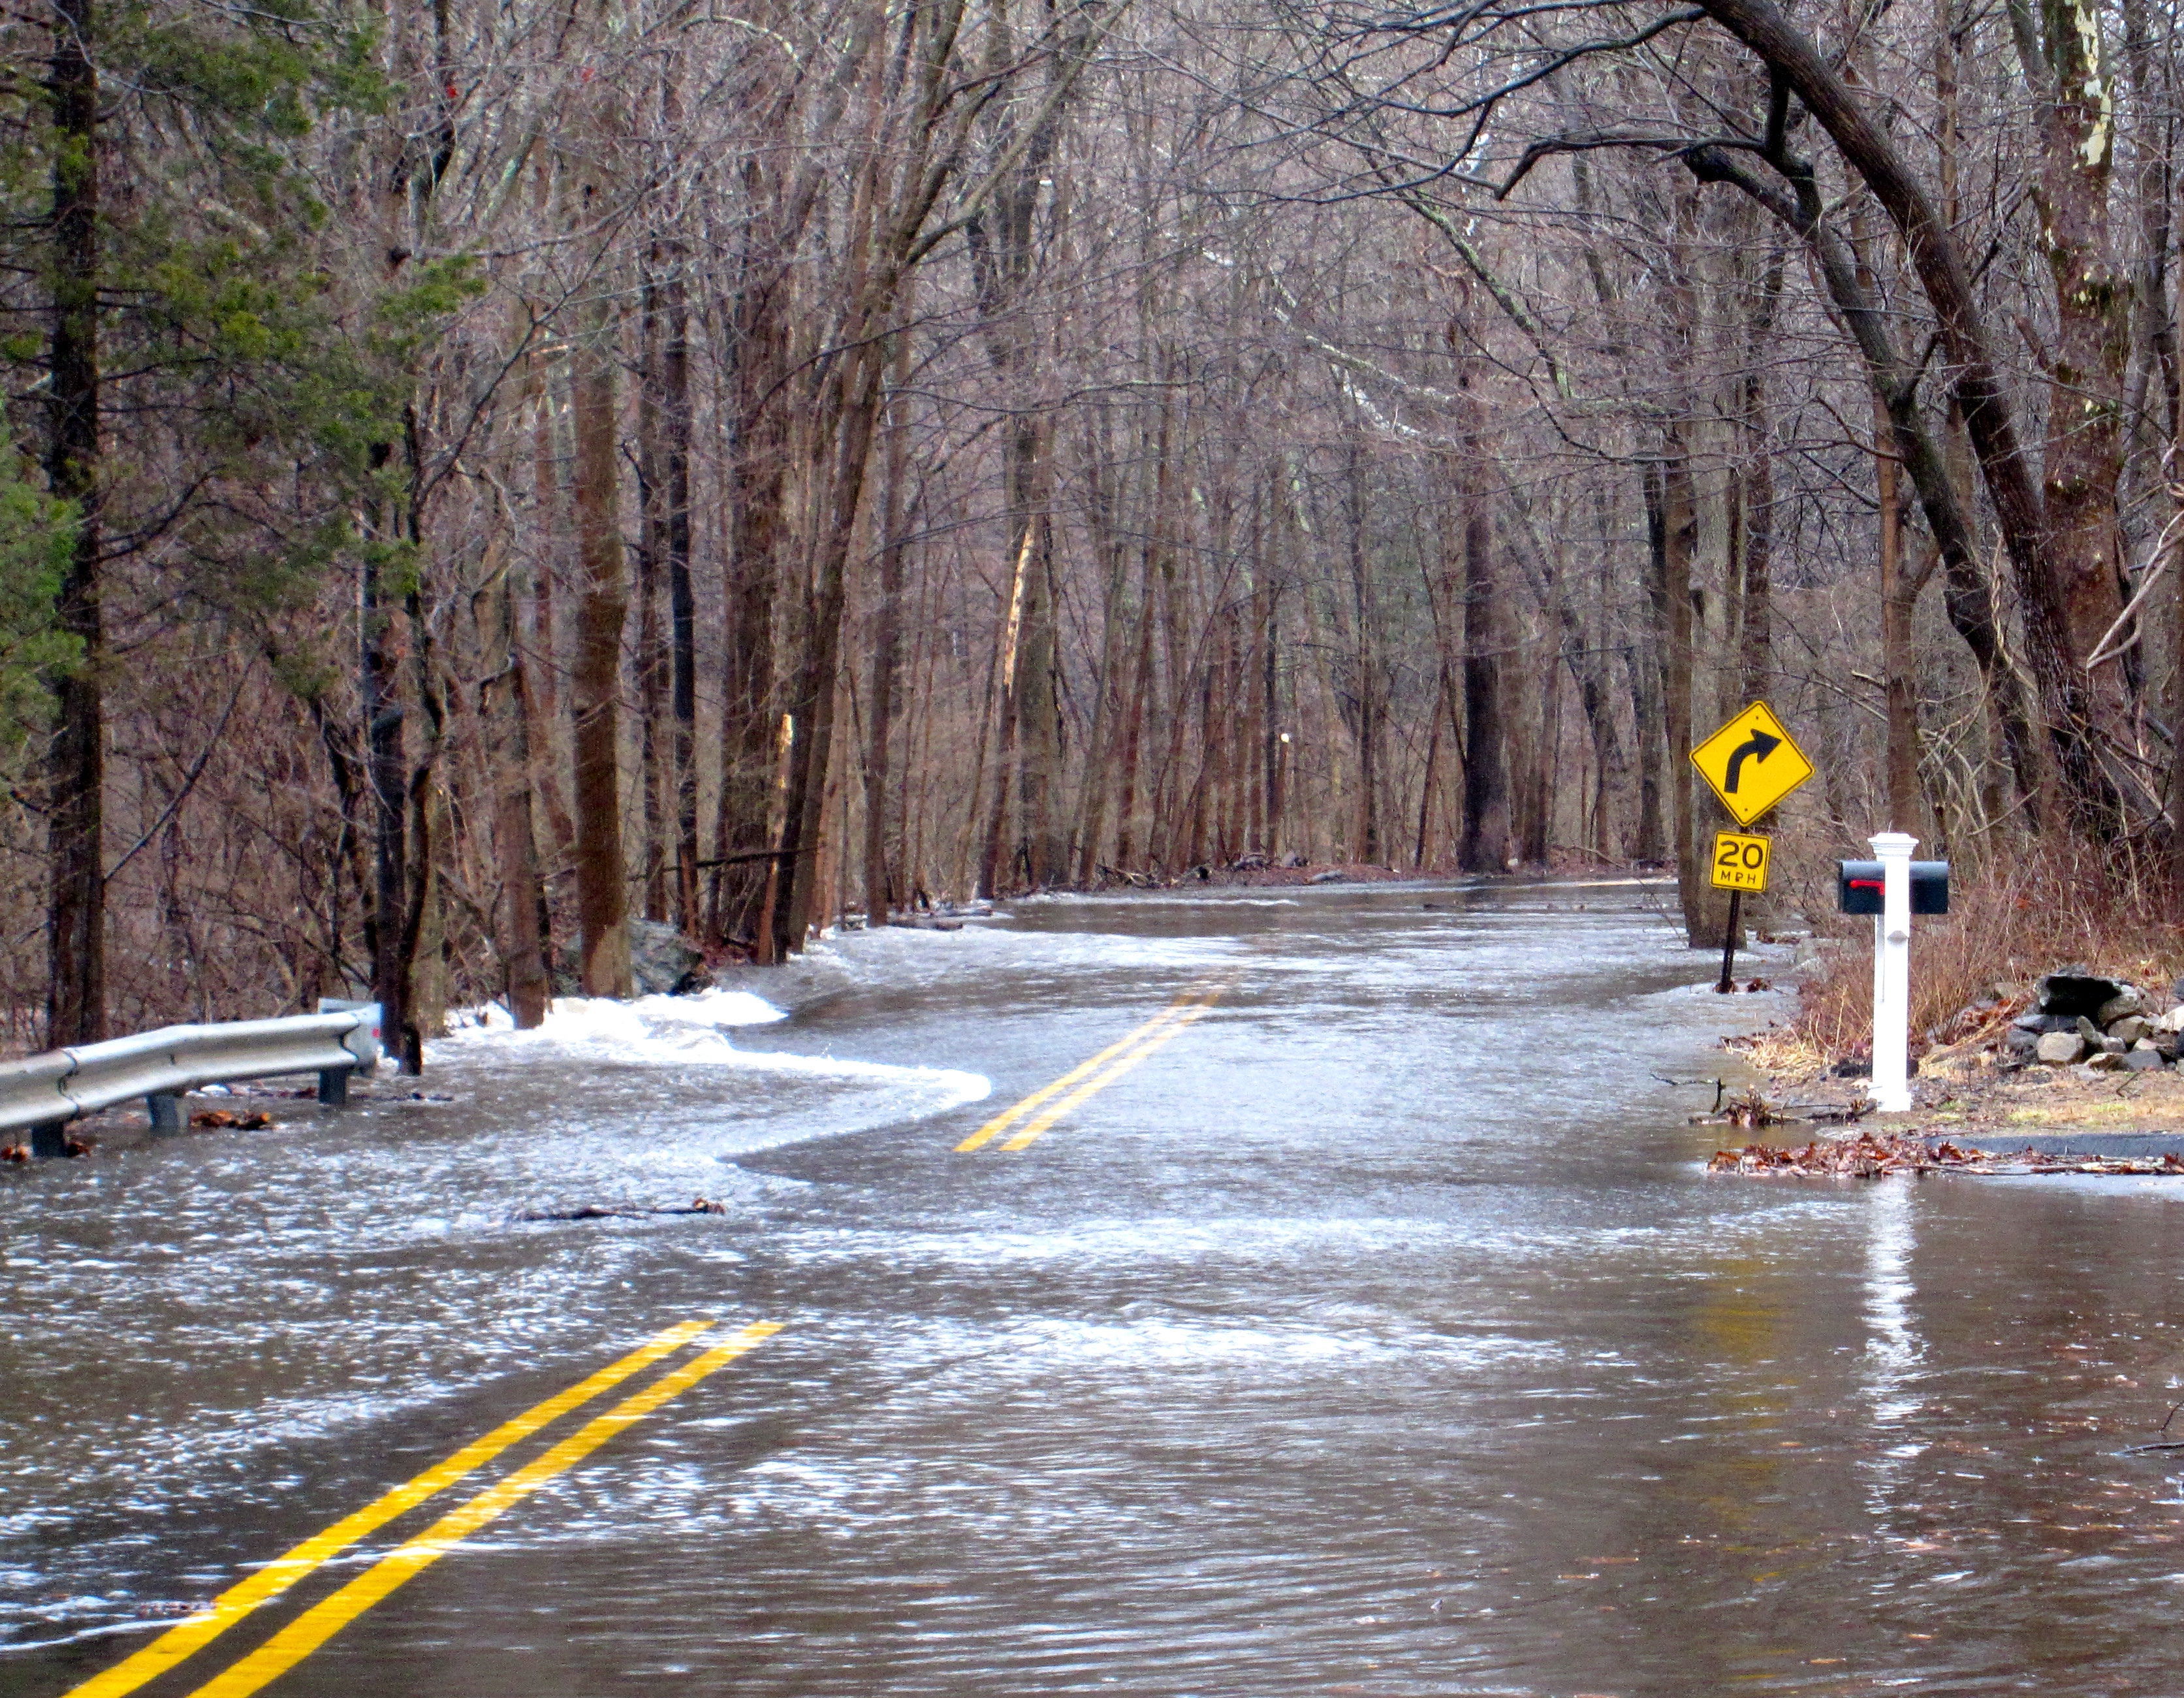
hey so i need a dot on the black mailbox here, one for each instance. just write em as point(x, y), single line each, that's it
point(1858, 886)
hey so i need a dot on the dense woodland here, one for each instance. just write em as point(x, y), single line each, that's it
point(487, 471)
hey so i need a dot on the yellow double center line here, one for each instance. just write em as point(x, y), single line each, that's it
point(312, 1630)
point(1117, 1059)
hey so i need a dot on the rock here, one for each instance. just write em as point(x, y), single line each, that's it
point(2144, 1061)
point(2031, 1020)
point(661, 960)
point(2010, 990)
point(2105, 1062)
point(2075, 991)
point(2059, 1048)
point(1333, 875)
point(1251, 862)
point(2020, 1040)
point(1294, 859)
point(2173, 1021)
point(2087, 1030)
point(2131, 1028)
point(2128, 1001)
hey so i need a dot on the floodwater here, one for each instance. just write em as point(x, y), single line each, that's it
point(1380, 1332)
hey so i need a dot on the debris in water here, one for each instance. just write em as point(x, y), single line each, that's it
point(593, 1211)
point(1874, 1155)
point(1751, 1110)
point(226, 1120)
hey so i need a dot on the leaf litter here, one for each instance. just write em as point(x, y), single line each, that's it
point(1874, 1155)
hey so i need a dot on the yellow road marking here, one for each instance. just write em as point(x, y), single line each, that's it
point(1023, 1139)
point(1001, 1122)
point(277, 1576)
point(327, 1617)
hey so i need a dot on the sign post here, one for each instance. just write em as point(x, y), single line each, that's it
point(1891, 973)
point(1750, 764)
point(1740, 864)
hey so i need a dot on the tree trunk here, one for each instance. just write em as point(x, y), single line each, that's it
point(2081, 459)
point(1371, 720)
point(861, 390)
point(602, 886)
point(750, 715)
point(76, 994)
point(1647, 664)
point(887, 647)
point(1679, 531)
point(1133, 725)
point(1038, 740)
point(522, 907)
point(1007, 661)
point(1756, 639)
point(1483, 835)
point(655, 743)
point(1898, 600)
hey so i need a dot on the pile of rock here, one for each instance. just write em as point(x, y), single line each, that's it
point(2104, 1023)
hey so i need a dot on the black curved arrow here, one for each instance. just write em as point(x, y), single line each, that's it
point(1759, 746)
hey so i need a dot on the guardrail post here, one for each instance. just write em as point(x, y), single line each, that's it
point(333, 1085)
point(165, 1109)
point(49, 1143)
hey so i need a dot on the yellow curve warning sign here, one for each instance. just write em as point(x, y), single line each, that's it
point(1752, 763)
point(1739, 864)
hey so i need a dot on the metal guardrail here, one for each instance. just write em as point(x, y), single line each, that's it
point(46, 1091)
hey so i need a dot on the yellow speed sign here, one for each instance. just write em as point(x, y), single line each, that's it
point(1739, 863)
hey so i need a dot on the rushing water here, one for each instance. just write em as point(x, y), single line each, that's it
point(1380, 1333)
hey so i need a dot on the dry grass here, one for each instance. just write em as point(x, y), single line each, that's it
point(2007, 924)
point(1784, 1053)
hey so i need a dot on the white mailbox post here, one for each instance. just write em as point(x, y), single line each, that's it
point(1891, 973)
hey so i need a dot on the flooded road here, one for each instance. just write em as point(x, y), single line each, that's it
point(1374, 1329)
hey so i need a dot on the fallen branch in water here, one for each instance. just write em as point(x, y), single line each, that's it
point(1751, 1110)
point(593, 1211)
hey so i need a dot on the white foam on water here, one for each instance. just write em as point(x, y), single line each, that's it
point(579, 1017)
point(685, 1031)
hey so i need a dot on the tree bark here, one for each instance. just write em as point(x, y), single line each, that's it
point(813, 707)
point(382, 650)
point(601, 885)
point(1483, 834)
point(523, 939)
point(749, 711)
point(886, 653)
point(655, 743)
point(2082, 458)
point(76, 994)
